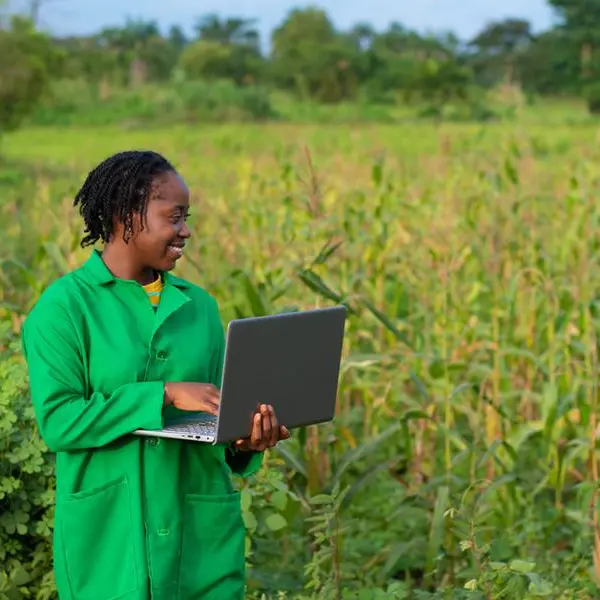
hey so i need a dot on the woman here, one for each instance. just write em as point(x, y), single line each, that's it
point(120, 344)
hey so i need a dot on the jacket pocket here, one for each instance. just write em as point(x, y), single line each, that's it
point(97, 542)
point(213, 548)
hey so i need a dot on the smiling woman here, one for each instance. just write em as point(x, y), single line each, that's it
point(156, 210)
point(108, 351)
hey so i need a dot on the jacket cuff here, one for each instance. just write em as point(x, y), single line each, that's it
point(243, 464)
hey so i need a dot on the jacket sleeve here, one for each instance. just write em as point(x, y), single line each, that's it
point(68, 418)
point(240, 463)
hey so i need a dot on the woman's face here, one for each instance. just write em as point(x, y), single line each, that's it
point(159, 244)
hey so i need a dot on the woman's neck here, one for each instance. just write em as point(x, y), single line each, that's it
point(122, 264)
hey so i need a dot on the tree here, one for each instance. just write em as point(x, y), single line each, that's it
point(362, 36)
point(226, 49)
point(498, 47)
point(231, 31)
point(396, 57)
point(309, 57)
point(580, 20)
point(206, 59)
point(440, 82)
point(139, 50)
point(550, 64)
point(177, 38)
point(27, 62)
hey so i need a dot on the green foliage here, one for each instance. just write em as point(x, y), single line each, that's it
point(440, 82)
point(224, 101)
point(313, 60)
point(26, 484)
point(317, 62)
point(224, 51)
point(26, 62)
point(592, 97)
point(310, 58)
point(206, 60)
point(75, 102)
point(463, 460)
point(499, 48)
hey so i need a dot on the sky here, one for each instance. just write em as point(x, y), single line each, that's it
point(465, 17)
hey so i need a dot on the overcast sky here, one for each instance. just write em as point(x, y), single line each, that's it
point(465, 17)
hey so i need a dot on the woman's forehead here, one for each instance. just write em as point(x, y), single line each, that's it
point(171, 189)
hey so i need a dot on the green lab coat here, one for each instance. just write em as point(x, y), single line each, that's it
point(136, 517)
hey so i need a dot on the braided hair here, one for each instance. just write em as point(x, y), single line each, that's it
point(118, 187)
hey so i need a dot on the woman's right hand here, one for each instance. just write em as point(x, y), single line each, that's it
point(194, 397)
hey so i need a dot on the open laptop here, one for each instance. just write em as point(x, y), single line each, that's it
point(289, 360)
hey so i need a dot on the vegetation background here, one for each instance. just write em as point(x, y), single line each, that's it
point(443, 189)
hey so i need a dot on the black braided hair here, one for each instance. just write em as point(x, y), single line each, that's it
point(118, 187)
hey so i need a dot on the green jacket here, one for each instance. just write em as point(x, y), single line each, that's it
point(136, 518)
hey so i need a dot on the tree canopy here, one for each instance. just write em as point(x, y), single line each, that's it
point(309, 56)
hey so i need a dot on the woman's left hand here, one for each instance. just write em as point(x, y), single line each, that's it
point(266, 432)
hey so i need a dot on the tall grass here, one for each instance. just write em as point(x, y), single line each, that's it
point(463, 461)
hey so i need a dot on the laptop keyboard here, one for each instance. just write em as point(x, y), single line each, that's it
point(197, 428)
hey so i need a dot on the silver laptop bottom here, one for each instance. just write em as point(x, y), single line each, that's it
point(199, 429)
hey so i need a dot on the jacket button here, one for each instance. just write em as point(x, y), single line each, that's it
point(162, 355)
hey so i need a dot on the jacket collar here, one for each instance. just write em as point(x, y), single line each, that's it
point(96, 272)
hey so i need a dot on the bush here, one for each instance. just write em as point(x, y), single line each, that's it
point(592, 97)
point(26, 484)
point(27, 60)
point(224, 100)
point(73, 102)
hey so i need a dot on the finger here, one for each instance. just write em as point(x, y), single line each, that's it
point(211, 409)
point(284, 433)
point(214, 392)
point(212, 405)
point(274, 428)
point(257, 433)
point(267, 427)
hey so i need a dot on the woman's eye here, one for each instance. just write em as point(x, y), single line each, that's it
point(178, 216)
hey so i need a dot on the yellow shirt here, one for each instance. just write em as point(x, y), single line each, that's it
point(154, 290)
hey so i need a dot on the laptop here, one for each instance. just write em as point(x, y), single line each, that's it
point(289, 360)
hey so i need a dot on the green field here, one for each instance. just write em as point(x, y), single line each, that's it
point(462, 462)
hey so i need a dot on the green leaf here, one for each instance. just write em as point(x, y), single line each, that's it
point(365, 449)
point(364, 479)
point(317, 285)
point(511, 171)
point(539, 587)
point(279, 500)
point(257, 304)
point(377, 172)
point(326, 251)
point(436, 534)
point(386, 322)
point(436, 369)
point(414, 415)
point(20, 577)
point(246, 499)
point(321, 499)
point(293, 461)
point(250, 521)
point(275, 522)
point(521, 566)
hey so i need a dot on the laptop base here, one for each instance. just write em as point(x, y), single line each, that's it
point(196, 429)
